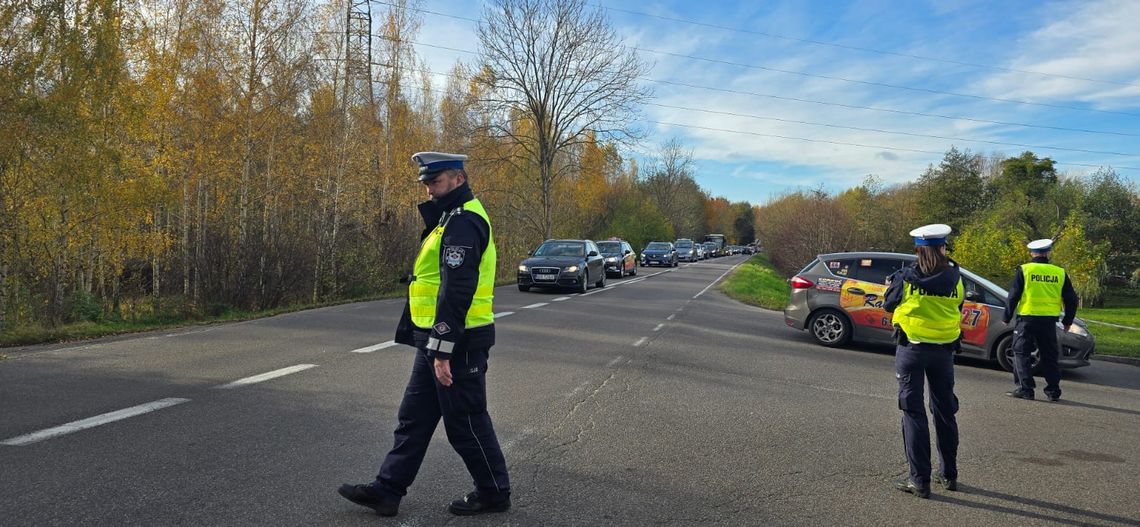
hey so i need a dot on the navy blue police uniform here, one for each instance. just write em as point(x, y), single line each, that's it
point(1037, 332)
point(916, 362)
point(461, 406)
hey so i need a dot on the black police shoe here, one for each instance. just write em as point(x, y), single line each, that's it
point(945, 482)
point(906, 485)
point(367, 496)
point(1021, 393)
point(1053, 397)
point(474, 503)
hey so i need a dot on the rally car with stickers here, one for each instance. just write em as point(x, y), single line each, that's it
point(838, 298)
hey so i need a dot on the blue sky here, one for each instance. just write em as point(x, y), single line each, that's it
point(906, 80)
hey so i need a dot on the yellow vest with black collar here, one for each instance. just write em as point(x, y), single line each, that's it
point(424, 289)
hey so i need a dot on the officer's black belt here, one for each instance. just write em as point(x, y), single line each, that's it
point(407, 279)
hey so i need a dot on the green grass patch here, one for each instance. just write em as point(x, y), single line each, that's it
point(1116, 341)
point(757, 283)
point(29, 335)
point(1122, 307)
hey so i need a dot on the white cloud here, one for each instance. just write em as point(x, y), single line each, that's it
point(1086, 39)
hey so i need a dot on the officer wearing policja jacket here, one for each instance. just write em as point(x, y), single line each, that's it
point(448, 319)
point(926, 299)
point(1036, 295)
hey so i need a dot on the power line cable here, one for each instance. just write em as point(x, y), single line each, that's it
point(882, 131)
point(887, 110)
point(885, 85)
point(829, 103)
point(868, 50)
point(827, 77)
point(843, 143)
point(839, 143)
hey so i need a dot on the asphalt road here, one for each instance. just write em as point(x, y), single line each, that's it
point(655, 400)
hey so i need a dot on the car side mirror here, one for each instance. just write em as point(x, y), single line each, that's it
point(974, 296)
point(627, 251)
point(530, 252)
point(592, 253)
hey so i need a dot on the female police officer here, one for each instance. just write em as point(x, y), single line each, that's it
point(926, 299)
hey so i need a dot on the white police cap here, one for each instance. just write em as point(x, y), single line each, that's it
point(1040, 246)
point(933, 235)
point(432, 163)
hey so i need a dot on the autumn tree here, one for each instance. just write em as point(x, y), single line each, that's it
point(559, 65)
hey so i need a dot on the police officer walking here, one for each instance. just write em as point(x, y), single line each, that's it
point(926, 299)
point(1039, 288)
point(448, 318)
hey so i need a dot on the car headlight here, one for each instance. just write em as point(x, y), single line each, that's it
point(522, 268)
point(1078, 330)
point(572, 269)
point(611, 259)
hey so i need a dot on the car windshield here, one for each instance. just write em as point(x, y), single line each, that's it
point(684, 245)
point(657, 246)
point(609, 247)
point(561, 249)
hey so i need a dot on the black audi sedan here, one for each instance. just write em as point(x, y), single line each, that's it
point(567, 264)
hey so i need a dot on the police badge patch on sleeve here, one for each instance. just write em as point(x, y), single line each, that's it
point(453, 256)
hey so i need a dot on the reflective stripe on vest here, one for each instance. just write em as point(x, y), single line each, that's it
point(1041, 296)
point(424, 289)
point(928, 318)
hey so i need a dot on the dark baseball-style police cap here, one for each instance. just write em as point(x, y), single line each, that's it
point(433, 163)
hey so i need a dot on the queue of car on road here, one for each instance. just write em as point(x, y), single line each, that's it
point(578, 264)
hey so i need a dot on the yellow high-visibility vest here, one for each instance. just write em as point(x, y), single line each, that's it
point(928, 318)
point(424, 289)
point(1041, 295)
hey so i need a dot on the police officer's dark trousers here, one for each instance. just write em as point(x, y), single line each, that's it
point(935, 362)
point(1040, 333)
point(463, 408)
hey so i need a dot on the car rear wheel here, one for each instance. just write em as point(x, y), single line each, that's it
point(1006, 358)
point(829, 327)
point(524, 288)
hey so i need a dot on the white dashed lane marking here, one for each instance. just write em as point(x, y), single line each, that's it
point(670, 317)
point(532, 306)
point(561, 298)
point(375, 347)
point(659, 326)
point(504, 314)
point(640, 341)
point(92, 422)
point(717, 279)
point(267, 376)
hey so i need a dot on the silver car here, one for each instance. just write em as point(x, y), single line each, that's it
point(838, 297)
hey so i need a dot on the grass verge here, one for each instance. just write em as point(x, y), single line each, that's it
point(757, 283)
point(1111, 340)
point(29, 335)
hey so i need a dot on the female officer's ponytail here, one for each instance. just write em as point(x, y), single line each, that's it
point(931, 259)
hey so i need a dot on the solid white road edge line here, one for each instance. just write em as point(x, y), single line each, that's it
point(718, 279)
point(267, 376)
point(375, 347)
point(91, 422)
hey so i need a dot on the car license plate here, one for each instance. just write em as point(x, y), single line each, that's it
point(545, 276)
